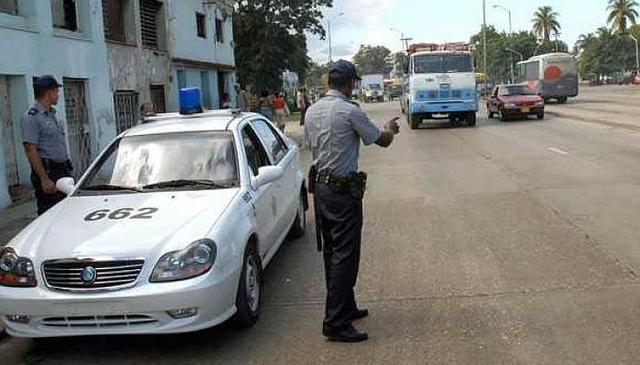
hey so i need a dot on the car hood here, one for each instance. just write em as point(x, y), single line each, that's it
point(521, 99)
point(175, 220)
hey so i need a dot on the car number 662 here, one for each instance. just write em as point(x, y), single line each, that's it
point(120, 214)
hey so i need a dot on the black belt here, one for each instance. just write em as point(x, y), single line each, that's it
point(337, 182)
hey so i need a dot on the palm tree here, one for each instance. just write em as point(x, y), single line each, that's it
point(621, 13)
point(545, 22)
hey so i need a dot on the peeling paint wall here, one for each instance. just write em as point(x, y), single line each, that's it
point(136, 69)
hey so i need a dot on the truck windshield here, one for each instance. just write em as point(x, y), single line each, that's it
point(439, 63)
point(374, 87)
point(191, 161)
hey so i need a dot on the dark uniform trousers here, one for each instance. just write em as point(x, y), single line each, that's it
point(341, 217)
point(56, 171)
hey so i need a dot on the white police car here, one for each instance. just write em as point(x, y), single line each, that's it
point(168, 231)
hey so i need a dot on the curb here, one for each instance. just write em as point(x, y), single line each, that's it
point(592, 120)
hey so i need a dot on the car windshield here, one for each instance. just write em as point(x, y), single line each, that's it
point(191, 161)
point(514, 90)
point(439, 63)
point(374, 87)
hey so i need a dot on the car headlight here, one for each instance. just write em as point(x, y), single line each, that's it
point(540, 103)
point(16, 271)
point(195, 260)
point(510, 105)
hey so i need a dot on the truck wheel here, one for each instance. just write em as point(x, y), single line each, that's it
point(471, 119)
point(414, 121)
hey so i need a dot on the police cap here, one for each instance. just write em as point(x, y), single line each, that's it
point(344, 70)
point(46, 82)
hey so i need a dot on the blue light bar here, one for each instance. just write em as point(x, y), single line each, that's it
point(190, 101)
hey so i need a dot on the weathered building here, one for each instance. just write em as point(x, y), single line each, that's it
point(157, 47)
point(63, 38)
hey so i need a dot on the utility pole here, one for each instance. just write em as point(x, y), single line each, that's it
point(329, 35)
point(510, 40)
point(484, 43)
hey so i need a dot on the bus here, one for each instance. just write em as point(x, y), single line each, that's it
point(552, 76)
point(442, 84)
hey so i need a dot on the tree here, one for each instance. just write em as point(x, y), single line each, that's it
point(605, 53)
point(400, 62)
point(621, 13)
point(372, 60)
point(270, 38)
point(545, 22)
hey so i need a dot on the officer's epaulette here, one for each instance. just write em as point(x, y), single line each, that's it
point(33, 111)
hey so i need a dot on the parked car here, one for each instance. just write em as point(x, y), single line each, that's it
point(636, 80)
point(168, 231)
point(514, 101)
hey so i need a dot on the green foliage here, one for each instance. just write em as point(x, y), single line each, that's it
point(545, 23)
point(372, 60)
point(605, 53)
point(269, 37)
point(314, 76)
point(400, 62)
point(499, 59)
point(621, 13)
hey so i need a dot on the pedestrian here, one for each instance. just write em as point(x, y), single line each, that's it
point(266, 105)
point(45, 145)
point(225, 103)
point(242, 101)
point(302, 101)
point(334, 127)
point(280, 111)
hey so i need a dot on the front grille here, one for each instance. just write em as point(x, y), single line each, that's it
point(125, 320)
point(68, 274)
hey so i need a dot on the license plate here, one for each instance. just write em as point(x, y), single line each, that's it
point(526, 109)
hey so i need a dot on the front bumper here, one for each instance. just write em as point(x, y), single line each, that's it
point(445, 107)
point(519, 111)
point(139, 310)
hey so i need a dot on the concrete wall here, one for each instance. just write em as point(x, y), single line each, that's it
point(32, 47)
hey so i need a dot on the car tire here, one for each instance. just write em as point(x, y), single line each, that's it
point(249, 295)
point(491, 115)
point(562, 100)
point(300, 223)
point(540, 116)
point(503, 117)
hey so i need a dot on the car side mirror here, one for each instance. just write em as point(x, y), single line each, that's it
point(268, 174)
point(66, 185)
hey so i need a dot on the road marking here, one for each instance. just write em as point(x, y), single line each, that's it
point(557, 150)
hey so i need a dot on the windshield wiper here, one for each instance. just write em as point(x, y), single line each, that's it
point(107, 187)
point(184, 183)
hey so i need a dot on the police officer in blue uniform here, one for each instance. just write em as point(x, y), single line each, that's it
point(45, 144)
point(334, 128)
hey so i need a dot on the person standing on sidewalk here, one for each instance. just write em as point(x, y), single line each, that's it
point(302, 100)
point(280, 110)
point(45, 144)
point(334, 127)
point(242, 100)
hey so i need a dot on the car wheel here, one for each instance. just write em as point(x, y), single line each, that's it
point(414, 121)
point(503, 117)
point(249, 296)
point(540, 116)
point(491, 115)
point(299, 225)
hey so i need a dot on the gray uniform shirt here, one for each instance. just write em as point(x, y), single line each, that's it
point(41, 128)
point(334, 127)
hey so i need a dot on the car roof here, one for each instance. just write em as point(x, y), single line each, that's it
point(208, 121)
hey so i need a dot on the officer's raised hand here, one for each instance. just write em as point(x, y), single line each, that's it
point(392, 126)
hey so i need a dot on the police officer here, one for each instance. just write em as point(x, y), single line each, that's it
point(45, 144)
point(334, 127)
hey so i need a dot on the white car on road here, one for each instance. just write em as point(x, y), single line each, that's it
point(167, 232)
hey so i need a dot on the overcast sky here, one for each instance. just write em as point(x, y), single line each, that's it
point(368, 21)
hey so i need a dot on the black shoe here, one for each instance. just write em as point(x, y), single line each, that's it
point(346, 334)
point(359, 314)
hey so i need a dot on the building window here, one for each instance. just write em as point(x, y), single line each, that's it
point(157, 98)
point(151, 23)
point(219, 30)
point(116, 15)
point(200, 24)
point(126, 108)
point(182, 79)
point(9, 7)
point(65, 14)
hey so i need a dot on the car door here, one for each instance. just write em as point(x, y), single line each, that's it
point(263, 198)
point(280, 154)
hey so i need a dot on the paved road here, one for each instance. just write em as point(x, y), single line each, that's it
point(507, 243)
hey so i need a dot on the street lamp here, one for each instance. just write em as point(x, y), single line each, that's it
point(484, 42)
point(635, 39)
point(516, 52)
point(510, 37)
point(329, 34)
